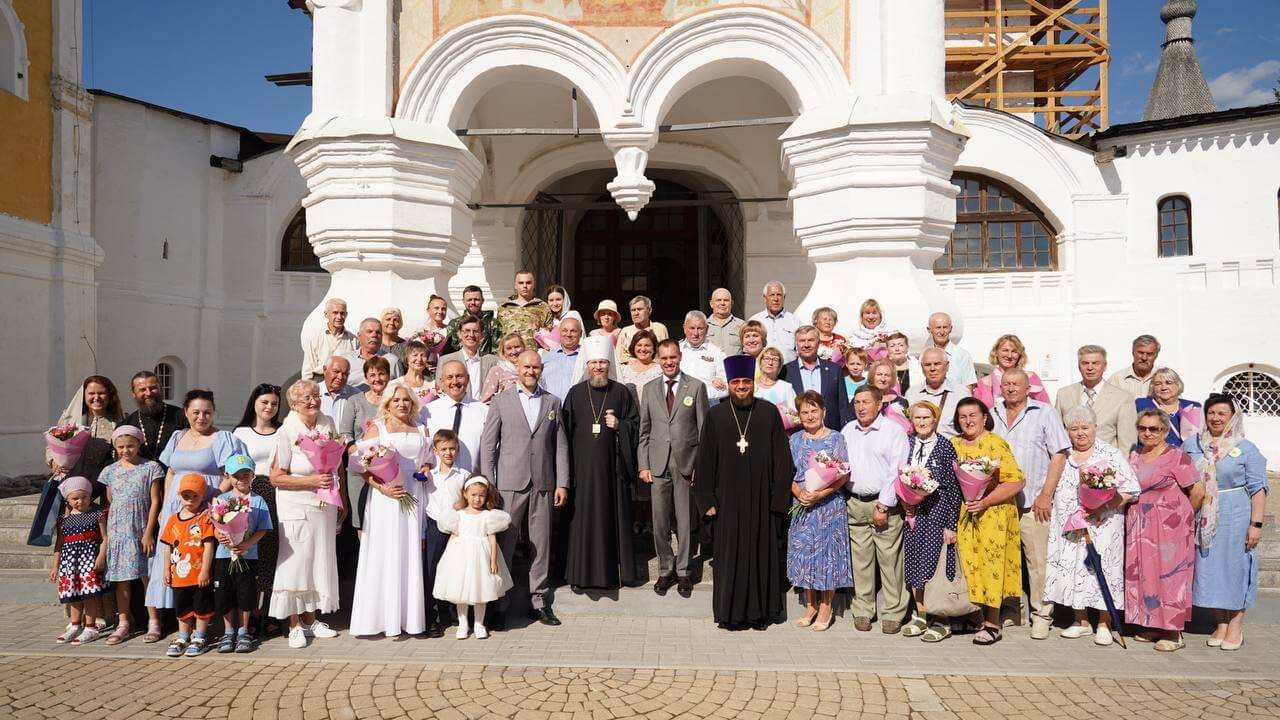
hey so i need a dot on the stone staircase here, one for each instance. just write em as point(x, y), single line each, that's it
point(15, 522)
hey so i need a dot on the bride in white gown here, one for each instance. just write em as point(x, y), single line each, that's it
point(390, 597)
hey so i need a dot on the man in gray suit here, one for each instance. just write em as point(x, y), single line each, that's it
point(671, 413)
point(478, 364)
point(524, 452)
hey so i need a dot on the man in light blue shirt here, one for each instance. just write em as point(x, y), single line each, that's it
point(960, 370)
point(780, 323)
point(560, 368)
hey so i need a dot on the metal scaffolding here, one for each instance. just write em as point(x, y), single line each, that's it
point(1032, 57)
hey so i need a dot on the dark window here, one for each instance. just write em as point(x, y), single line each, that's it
point(164, 378)
point(296, 254)
point(997, 230)
point(1175, 226)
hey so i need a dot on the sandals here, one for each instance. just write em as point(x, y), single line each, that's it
point(822, 625)
point(936, 633)
point(807, 620)
point(1167, 645)
point(153, 633)
point(915, 627)
point(71, 633)
point(195, 647)
point(987, 636)
point(176, 648)
point(244, 644)
point(90, 634)
point(227, 643)
point(120, 635)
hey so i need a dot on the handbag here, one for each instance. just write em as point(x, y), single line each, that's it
point(949, 598)
point(48, 509)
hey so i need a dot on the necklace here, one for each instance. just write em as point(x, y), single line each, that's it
point(742, 429)
point(595, 416)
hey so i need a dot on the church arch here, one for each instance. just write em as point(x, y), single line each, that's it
point(14, 63)
point(455, 72)
point(740, 41)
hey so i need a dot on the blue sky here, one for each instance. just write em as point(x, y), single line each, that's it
point(208, 58)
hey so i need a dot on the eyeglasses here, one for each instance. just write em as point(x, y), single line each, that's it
point(1150, 429)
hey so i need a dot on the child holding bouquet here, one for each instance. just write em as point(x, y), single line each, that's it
point(818, 539)
point(240, 520)
point(189, 535)
point(134, 489)
point(1088, 501)
point(987, 531)
point(472, 571)
point(79, 557)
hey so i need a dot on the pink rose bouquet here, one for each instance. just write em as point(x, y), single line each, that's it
point(66, 443)
point(548, 338)
point(230, 516)
point(975, 476)
point(790, 416)
point(824, 471)
point(913, 484)
point(383, 463)
point(324, 451)
point(1098, 483)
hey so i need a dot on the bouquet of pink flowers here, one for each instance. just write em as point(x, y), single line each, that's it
point(824, 471)
point(433, 339)
point(548, 338)
point(1098, 483)
point(66, 443)
point(833, 352)
point(230, 516)
point(323, 450)
point(913, 484)
point(427, 393)
point(383, 463)
point(790, 416)
point(975, 476)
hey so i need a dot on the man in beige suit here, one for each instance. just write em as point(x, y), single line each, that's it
point(1114, 407)
point(671, 413)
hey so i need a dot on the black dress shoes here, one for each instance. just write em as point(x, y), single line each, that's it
point(664, 583)
point(544, 616)
point(685, 587)
point(435, 630)
point(495, 621)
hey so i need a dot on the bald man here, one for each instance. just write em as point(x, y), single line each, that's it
point(939, 389)
point(959, 362)
point(722, 324)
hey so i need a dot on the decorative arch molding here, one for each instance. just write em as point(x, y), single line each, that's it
point(446, 82)
point(740, 41)
point(14, 62)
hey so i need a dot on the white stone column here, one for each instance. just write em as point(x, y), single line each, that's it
point(351, 58)
point(387, 211)
point(872, 200)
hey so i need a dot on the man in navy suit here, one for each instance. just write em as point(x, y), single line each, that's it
point(809, 372)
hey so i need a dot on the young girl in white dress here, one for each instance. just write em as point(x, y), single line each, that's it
point(472, 571)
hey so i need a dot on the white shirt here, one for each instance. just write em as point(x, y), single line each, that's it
point(444, 490)
point(262, 448)
point(440, 414)
point(706, 364)
point(875, 454)
point(472, 362)
point(959, 365)
point(337, 405)
point(781, 329)
point(531, 403)
point(319, 346)
point(945, 397)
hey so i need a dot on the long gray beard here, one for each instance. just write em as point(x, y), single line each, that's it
point(598, 382)
point(743, 403)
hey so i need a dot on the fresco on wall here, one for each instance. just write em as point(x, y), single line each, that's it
point(604, 12)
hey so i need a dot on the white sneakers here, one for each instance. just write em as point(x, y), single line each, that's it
point(481, 632)
point(297, 638)
point(462, 628)
point(1076, 631)
point(318, 629)
point(1101, 637)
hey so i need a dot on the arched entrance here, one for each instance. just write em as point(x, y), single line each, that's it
point(684, 244)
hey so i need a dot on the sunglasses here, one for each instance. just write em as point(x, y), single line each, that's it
point(1150, 429)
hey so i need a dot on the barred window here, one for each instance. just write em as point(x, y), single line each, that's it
point(1256, 394)
point(1175, 226)
point(997, 230)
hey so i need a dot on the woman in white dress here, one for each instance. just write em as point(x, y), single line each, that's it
point(306, 580)
point(389, 597)
point(1067, 580)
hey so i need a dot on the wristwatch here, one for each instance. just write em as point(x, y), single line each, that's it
point(1257, 525)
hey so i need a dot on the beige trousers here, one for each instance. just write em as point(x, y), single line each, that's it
point(1035, 551)
point(869, 549)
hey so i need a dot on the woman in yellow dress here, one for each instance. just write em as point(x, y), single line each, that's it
point(987, 532)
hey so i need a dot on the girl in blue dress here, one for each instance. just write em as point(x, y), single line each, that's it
point(203, 449)
point(818, 540)
point(1229, 524)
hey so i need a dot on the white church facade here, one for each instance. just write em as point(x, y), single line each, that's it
point(807, 142)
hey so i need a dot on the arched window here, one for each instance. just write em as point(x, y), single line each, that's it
point(997, 230)
point(1257, 394)
point(165, 378)
point(296, 254)
point(13, 52)
point(1175, 226)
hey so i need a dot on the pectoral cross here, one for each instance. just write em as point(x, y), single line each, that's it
point(742, 444)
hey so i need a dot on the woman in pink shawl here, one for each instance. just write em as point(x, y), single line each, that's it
point(1160, 531)
point(1186, 417)
point(1008, 353)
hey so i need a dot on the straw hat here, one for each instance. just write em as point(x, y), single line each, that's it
point(608, 306)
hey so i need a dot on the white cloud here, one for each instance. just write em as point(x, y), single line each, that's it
point(1246, 86)
point(1225, 30)
point(1139, 64)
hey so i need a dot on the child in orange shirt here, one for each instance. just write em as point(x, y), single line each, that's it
point(189, 533)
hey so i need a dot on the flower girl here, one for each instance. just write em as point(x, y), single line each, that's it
point(472, 571)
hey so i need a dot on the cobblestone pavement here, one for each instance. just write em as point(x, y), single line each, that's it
point(91, 688)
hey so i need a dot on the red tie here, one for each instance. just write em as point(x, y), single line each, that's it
point(671, 395)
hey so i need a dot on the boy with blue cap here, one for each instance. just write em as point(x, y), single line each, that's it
point(235, 591)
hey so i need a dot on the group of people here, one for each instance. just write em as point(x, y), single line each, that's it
point(778, 443)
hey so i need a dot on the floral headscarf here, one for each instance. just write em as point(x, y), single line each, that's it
point(1213, 450)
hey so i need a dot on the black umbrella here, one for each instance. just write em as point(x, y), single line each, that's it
point(1093, 562)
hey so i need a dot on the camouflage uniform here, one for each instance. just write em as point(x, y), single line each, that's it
point(524, 319)
point(490, 334)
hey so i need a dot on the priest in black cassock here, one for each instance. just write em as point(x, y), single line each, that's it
point(603, 425)
point(743, 482)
